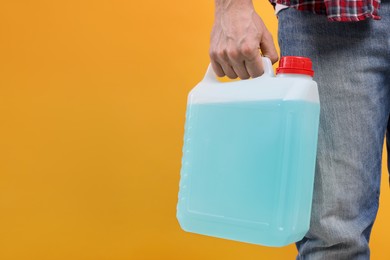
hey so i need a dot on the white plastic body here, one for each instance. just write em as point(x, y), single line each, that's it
point(297, 154)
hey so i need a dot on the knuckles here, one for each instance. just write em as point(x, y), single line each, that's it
point(249, 51)
point(217, 54)
point(213, 54)
point(235, 53)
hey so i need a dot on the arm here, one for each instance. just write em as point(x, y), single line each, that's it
point(237, 35)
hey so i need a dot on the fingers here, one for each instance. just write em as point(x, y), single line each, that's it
point(217, 68)
point(243, 61)
point(231, 71)
point(232, 63)
point(222, 65)
point(228, 70)
point(246, 64)
point(255, 67)
point(240, 69)
point(254, 64)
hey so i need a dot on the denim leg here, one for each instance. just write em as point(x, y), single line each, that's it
point(351, 63)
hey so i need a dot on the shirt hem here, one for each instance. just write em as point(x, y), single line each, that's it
point(354, 18)
point(322, 10)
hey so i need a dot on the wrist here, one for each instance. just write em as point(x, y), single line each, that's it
point(225, 6)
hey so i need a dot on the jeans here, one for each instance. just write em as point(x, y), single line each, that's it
point(352, 68)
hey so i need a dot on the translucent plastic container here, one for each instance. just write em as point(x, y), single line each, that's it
point(249, 156)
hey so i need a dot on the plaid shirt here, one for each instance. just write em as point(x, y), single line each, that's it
point(337, 10)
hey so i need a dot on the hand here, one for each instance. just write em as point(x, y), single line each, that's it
point(236, 38)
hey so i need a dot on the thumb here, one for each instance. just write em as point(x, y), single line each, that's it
point(268, 48)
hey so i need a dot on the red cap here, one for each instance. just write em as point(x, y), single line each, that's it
point(295, 65)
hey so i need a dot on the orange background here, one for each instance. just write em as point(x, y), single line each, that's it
point(92, 104)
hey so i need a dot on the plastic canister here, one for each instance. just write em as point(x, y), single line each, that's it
point(249, 155)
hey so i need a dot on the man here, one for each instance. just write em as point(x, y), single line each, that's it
point(349, 44)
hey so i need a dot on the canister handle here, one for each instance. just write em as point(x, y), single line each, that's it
point(212, 78)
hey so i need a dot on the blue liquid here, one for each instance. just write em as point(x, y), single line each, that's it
point(248, 170)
